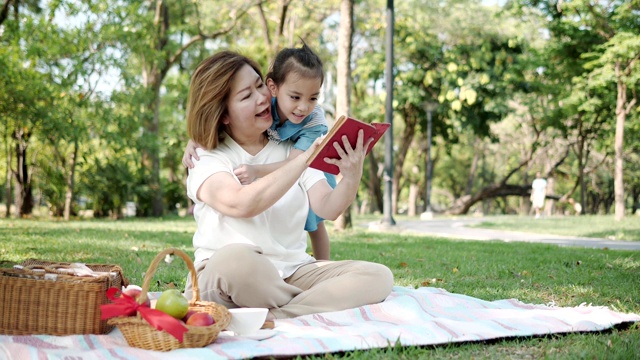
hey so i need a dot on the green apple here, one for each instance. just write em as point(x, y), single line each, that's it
point(173, 303)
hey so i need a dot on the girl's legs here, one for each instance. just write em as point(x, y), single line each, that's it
point(320, 242)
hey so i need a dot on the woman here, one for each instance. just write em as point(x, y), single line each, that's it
point(250, 241)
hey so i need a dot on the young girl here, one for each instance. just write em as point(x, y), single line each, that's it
point(294, 80)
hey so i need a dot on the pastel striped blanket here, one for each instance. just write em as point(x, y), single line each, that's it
point(424, 316)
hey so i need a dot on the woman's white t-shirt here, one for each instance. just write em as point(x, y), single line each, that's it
point(279, 230)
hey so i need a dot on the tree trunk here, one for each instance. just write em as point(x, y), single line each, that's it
point(619, 138)
point(24, 193)
point(4, 12)
point(414, 190)
point(343, 100)
point(474, 168)
point(581, 158)
point(376, 197)
point(68, 198)
point(550, 205)
point(7, 185)
point(501, 190)
point(409, 132)
point(155, 185)
point(636, 200)
point(154, 75)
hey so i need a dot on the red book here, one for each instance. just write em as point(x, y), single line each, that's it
point(344, 126)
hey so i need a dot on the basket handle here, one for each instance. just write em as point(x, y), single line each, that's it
point(154, 265)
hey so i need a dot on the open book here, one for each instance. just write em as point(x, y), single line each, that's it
point(344, 126)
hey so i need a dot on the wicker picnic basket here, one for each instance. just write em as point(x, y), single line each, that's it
point(39, 297)
point(140, 334)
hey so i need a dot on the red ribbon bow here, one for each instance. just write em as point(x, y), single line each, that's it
point(125, 305)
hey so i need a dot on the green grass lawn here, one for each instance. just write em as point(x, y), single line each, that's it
point(532, 273)
point(594, 226)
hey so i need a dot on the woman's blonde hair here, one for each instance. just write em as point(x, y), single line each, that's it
point(208, 95)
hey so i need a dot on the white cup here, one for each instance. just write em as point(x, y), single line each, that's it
point(246, 321)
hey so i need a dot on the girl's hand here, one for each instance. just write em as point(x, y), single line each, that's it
point(189, 153)
point(245, 173)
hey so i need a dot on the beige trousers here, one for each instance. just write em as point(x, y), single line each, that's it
point(240, 276)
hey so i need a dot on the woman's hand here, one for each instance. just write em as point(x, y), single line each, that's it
point(329, 203)
point(189, 153)
point(351, 159)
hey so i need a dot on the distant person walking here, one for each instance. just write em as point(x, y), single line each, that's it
point(538, 193)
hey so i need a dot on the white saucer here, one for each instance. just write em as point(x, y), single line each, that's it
point(258, 335)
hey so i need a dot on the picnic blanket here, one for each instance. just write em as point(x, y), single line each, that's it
point(424, 316)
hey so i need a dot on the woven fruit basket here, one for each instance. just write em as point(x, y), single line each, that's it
point(46, 297)
point(139, 333)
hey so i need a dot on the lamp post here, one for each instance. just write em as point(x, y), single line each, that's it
point(387, 219)
point(430, 107)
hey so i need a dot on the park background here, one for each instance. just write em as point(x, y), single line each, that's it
point(92, 108)
point(93, 94)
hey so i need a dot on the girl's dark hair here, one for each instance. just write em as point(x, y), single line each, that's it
point(302, 61)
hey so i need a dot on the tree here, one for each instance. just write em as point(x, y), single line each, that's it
point(75, 61)
point(619, 63)
point(343, 76)
point(22, 84)
point(606, 37)
point(273, 43)
point(510, 101)
point(468, 60)
point(32, 5)
point(168, 29)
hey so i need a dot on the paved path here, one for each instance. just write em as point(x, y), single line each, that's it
point(457, 228)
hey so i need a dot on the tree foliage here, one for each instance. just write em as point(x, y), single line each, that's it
point(92, 97)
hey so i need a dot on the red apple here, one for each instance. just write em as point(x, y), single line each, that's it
point(189, 313)
point(135, 293)
point(200, 319)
